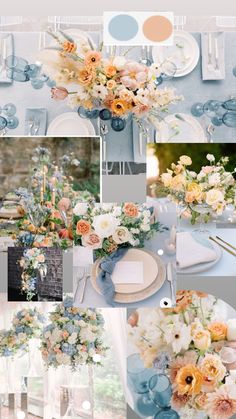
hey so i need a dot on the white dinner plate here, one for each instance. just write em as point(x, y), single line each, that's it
point(182, 129)
point(70, 124)
point(202, 267)
point(184, 53)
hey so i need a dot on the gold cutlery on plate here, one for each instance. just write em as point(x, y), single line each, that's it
point(223, 247)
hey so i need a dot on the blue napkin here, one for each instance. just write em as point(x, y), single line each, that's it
point(37, 117)
point(7, 39)
point(104, 280)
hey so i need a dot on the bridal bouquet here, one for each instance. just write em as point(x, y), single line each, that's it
point(213, 187)
point(74, 336)
point(198, 347)
point(106, 227)
point(115, 85)
point(32, 264)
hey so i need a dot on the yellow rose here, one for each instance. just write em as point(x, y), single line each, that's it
point(214, 196)
point(185, 160)
point(218, 331)
point(189, 380)
point(202, 340)
point(212, 368)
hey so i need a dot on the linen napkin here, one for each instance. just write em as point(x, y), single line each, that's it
point(6, 49)
point(213, 44)
point(37, 117)
point(104, 279)
point(189, 252)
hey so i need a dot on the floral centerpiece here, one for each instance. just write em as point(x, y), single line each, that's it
point(213, 187)
point(200, 348)
point(106, 227)
point(9, 343)
point(74, 336)
point(28, 323)
point(33, 264)
point(111, 88)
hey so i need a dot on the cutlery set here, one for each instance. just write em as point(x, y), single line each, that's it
point(33, 126)
point(224, 245)
point(213, 52)
point(82, 278)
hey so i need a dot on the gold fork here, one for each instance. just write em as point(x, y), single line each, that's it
point(223, 247)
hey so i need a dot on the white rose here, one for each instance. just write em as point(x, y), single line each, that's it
point(80, 209)
point(107, 207)
point(214, 196)
point(210, 157)
point(231, 329)
point(105, 225)
point(145, 227)
point(166, 179)
point(134, 242)
point(214, 179)
point(119, 62)
point(117, 212)
point(121, 235)
point(72, 339)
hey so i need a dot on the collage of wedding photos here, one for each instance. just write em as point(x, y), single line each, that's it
point(118, 216)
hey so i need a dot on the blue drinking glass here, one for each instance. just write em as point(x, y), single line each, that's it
point(144, 406)
point(37, 83)
point(118, 124)
point(33, 71)
point(16, 63)
point(230, 105)
point(3, 123)
point(105, 114)
point(167, 413)
point(138, 375)
point(17, 75)
point(229, 119)
point(211, 107)
point(160, 390)
point(197, 109)
point(9, 109)
point(12, 122)
point(89, 114)
point(50, 83)
point(217, 120)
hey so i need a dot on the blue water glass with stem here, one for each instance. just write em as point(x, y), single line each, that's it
point(167, 413)
point(3, 123)
point(16, 63)
point(12, 122)
point(197, 109)
point(9, 109)
point(211, 107)
point(230, 105)
point(160, 390)
point(229, 119)
point(118, 124)
point(138, 375)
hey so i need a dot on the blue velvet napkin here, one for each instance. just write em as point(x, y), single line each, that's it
point(104, 279)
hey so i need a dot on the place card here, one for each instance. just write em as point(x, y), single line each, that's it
point(128, 273)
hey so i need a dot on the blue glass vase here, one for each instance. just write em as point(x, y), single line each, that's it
point(145, 407)
point(138, 375)
point(160, 390)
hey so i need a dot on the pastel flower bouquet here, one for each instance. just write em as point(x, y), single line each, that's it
point(212, 188)
point(33, 265)
point(106, 227)
point(9, 343)
point(74, 336)
point(199, 349)
point(110, 88)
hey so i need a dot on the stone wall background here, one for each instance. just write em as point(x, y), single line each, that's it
point(16, 154)
point(51, 288)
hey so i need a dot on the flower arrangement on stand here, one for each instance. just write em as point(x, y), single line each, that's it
point(33, 264)
point(196, 348)
point(107, 227)
point(110, 88)
point(74, 337)
point(212, 188)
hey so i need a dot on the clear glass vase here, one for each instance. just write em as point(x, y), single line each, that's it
point(203, 210)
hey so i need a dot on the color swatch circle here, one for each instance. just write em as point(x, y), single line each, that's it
point(157, 28)
point(123, 27)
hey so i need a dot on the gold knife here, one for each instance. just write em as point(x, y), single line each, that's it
point(228, 244)
point(223, 247)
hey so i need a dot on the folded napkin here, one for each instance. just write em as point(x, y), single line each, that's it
point(37, 117)
point(189, 252)
point(213, 44)
point(6, 49)
point(104, 280)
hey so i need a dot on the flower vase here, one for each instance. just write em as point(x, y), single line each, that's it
point(32, 361)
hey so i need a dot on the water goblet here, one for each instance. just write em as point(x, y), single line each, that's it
point(37, 83)
point(217, 120)
point(167, 413)
point(17, 75)
point(230, 105)
point(87, 113)
point(229, 119)
point(16, 63)
point(105, 114)
point(197, 109)
point(204, 211)
point(168, 69)
point(145, 406)
point(211, 107)
point(118, 124)
point(9, 109)
point(12, 122)
point(3, 123)
point(160, 390)
point(138, 375)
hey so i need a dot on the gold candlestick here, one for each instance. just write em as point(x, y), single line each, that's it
point(44, 179)
point(41, 195)
point(53, 198)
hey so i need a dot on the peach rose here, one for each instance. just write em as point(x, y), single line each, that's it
point(196, 189)
point(40, 258)
point(185, 160)
point(111, 84)
point(218, 331)
point(202, 340)
point(212, 368)
point(110, 71)
point(64, 204)
point(92, 240)
point(86, 76)
point(83, 227)
point(130, 210)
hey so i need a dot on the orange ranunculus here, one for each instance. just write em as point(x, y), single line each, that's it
point(69, 46)
point(119, 107)
point(85, 76)
point(83, 227)
point(110, 71)
point(92, 58)
point(218, 331)
point(130, 210)
point(189, 380)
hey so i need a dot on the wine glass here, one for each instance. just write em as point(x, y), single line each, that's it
point(12, 122)
point(197, 109)
point(167, 413)
point(168, 69)
point(3, 123)
point(229, 119)
point(9, 109)
point(211, 107)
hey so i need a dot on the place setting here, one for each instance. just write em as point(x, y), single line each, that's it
point(116, 256)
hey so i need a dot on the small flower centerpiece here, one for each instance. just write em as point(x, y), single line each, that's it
point(200, 348)
point(213, 187)
point(9, 343)
point(28, 323)
point(74, 336)
point(107, 227)
point(110, 88)
point(33, 265)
